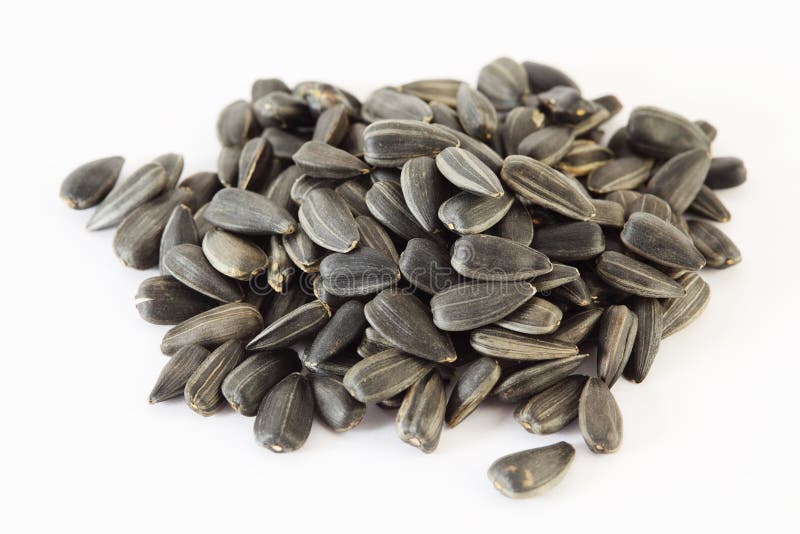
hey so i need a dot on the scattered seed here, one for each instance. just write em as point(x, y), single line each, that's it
point(390, 143)
point(87, 185)
point(537, 377)
point(679, 179)
point(726, 172)
point(531, 472)
point(145, 183)
point(213, 327)
point(165, 300)
point(389, 103)
point(475, 383)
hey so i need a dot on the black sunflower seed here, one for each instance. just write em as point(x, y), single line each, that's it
point(327, 221)
point(426, 265)
point(718, 249)
point(531, 472)
point(335, 406)
point(552, 409)
point(285, 415)
point(616, 334)
point(491, 258)
point(127, 195)
point(530, 380)
point(663, 134)
point(650, 327)
point(388, 103)
point(384, 375)
point(89, 184)
point(203, 390)
point(726, 172)
point(506, 344)
point(466, 213)
point(468, 173)
point(189, 265)
point(421, 415)
point(473, 385)
point(249, 213)
point(165, 300)
point(390, 143)
point(361, 272)
point(471, 305)
point(247, 384)
point(679, 179)
point(476, 113)
point(424, 189)
point(297, 324)
point(636, 278)
point(173, 377)
point(599, 417)
point(661, 242)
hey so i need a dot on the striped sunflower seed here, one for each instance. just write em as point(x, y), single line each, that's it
point(280, 270)
point(89, 184)
point(200, 222)
point(648, 337)
point(679, 179)
point(305, 184)
point(443, 90)
point(652, 204)
point(145, 183)
point(560, 275)
point(236, 124)
point(332, 125)
point(420, 418)
point(173, 377)
point(321, 96)
point(372, 343)
point(616, 334)
point(426, 266)
point(254, 162)
point(608, 213)
point(599, 417)
point(353, 141)
point(180, 229)
point(589, 125)
point(537, 316)
point(233, 256)
point(466, 213)
point(444, 115)
point(476, 113)
point(385, 202)
point(619, 144)
point(661, 242)
point(249, 213)
point(424, 189)
point(574, 292)
point(548, 145)
point(620, 174)
point(322, 160)
point(624, 198)
point(531, 472)
point(388, 103)
point(584, 156)
point(519, 123)
point(471, 305)
point(265, 86)
point(726, 172)
point(282, 110)
point(707, 204)
point(285, 415)
point(354, 194)
point(203, 390)
point(164, 300)
point(295, 325)
point(479, 149)
point(214, 327)
point(504, 82)
point(188, 264)
point(467, 172)
point(303, 252)
point(362, 272)
point(373, 235)
point(336, 366)
point(491, 258)
point(390, 143)
point(680, 312)
point(516, 225)
point(204, 185)
point(328, 222)
point(535, 378)
point(247, 384)
point(502, 343)
point(345, 328)
point(473, 385)
point(566, 105)
point(284, 144)
point(228, 165)
point(570, 242)
point(552, 409)
point(636, 278)
point(663, 134)
point(384, 375)
point(335, 406)
point(718, 249)
point(284, 302)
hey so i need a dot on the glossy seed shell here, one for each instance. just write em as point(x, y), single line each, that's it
point(473, 385)
point(663, 134)
point(504, 82)
point(467, 214)
point(599, 417)
point(145, 183)
point(521, 385)
point(679, 179)
point(203, 391)
point(188, 264)
point(328, 222)
point(547, 145)
point(301, 322)
point(180, 229)
point(726, 172)
point(560, 274)
point(636, 278)
point(468, 173)
point(718, 249)
point(233, 256)
point(616, 334)
point(472, 305)
point(491, 258)
point(619, 174)
point(335, 406)
point(177, 371)
point(650, 327)
point(165, 300)
point(424, 189)
point(322, 160)
point(213, 327)
point(552, 409)
point(426, 265)
point(537, 316)
point(361, 272)
point(248, 213)
point(661, 242)
point(389, 103)
point(420, 418)
point(374, 235)
point(680, 312)
point(384, 375)
point(390, 143)
point(247, 384)
point(346, 326)
point(286, 414)
point(502, 343)
point(476, 113)
point(385, 202)
point(570, 242)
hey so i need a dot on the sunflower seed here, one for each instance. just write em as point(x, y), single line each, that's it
point(616, 335)
point(285, 415)
point(280, 270)
point(476, 113)
point(726, 172)
point(213, 327)
point(301, 322)
point(321, 96)
point(284, 144)
point(547, 145)
point(266, 86)
point(575, 292)
point(479, 149)
point(624, 198)
point(305, 184)
point(373, 235)
point(426, 265)
point(663, 134)
point(707, 204)
point(254, 164)
point(444, 115)
point(648, 337)
point(200, 222)
point(652, 204)
point(345, 327)
point(233, 256)
point(353, 141)
point(246, 212)
point(608, 213)
point(390, 143)
point(472, 305)
point(442, 90)
point(466, 213)
point(543, 77)
point(404, 321)
point(173, 377)
point(247, 384)
point(610, 102)
point(384, 375)
point(203, 391)
point(204, 185)
point(680, 312)
point(228, 165)
point(584, 157)
point(322, 160)
point(718, 249)
point(599, 417)
point(188, 264)
point(372, 343)
point(424, 189)
point(467, 172)
point(173, 165)
point(284, 302)
point(335, 406)
point(385, 174)
point(516, 225)
point(570, 242)
point(279, 191)
point(180, 229)
point(354, 194)
point(302, 251)
point(537, 316)
point(362, 272)
point(552, 409)
point(332, 125)
point(618, 144)
point(328, 222)
point(619, 174)
point(502, 343)
point(281, 109)
point(385, 202)
point(535, 378)
point(236, 124)
point(164, 300)
point(504, 82)
point(389, 103)
point(487, 257)
point(560, 275)
point(421, 416)
point(636, 278)
point(519, 124)
point(531, 472)
point(91, 182)
point(473, 385)
point(679, 180)
point(145, 183)
point(565, 105)
point(661, 242)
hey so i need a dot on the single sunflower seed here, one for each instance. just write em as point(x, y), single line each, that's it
point(650, 327)
point(385, 202)
point(616, 334)
point(473, 385)
point(619, 174)
point(680, 312)
point(426, 265)
point(443, 90)
point(565, 104)
point(506, 344)
point(663, 134)
point(188, 264)
point(165, 300)
point(560, 275)
point(247, 384)
point(322, 160)
point(488, 155)
point(636, 278)
point(726, 172)
point(297, 324)
point(332, 125)
point(504, 82)
point(248, 213)
point(173, 377)
point(354, 194)
point(531, 472)
point(346, 326)
point(424, 189)
point(524, 383)
point(652, 204)
point(89, 184)
point(284, 144)
point(471, 305)
point(388, 103)
point(519, 123)
point(233, 256)
point(574, 292)
point(265, 86)
point(547, 145)
point(584, 156)
point(466, 213)
point(328, 222)
point(661, 242)
point(145, 183)
point(173, 165)
point(718, 249)
point(707, 204)
point(390, 143)
point(599, 417)
point(537, 316)
point(285, 415)
point(281, 109)
point(444, 115)
point(516, 225)
point(552, 409)
point(476, 113)
point(203, 390)
point(491, 258)
point(467, 172)
point(236, 124)
point(375, 236)
point(280, 270)
point(608, 213)
point(213, 327)
point(362, 272)
point(574, 241)
point(420, 418)
point(303, 252)
point(335, 406)
point(254, 162)
point(228, 165)
point(180, 229)
point(680, 178)
point(384, 375)
point(204, 185)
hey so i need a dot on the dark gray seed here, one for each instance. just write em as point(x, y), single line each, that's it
point(619, 145)
point(354, 194)
point(373, 235)
point(487, 257)
point(385, 202)
point(254, 164)
point(305, 184)
point(303, 252)
point(421, 416)
point(173, 377)
point(266, 86)
point(335, 406)
point(345, 327)
point(442, 90)
point(708, 129)
point(565, 105)
point(519, 124)
point(332, 125)
point(624, 198)
point(516, 225)
point(589, 125)
point(471, 305)
point(321, 293)
point(180, 229)
point(599, 417)
point(282, 303)
point(570, 242)
point(327, 220)
point(679, 179)
point(473, 385)
point(424, 190)
point(608, 213)
point(284, 144)
point(718, 249)
point(390, 143)
point(610, 102)
point(466, 213)
point(575, 292)
point(228, 165)
point(467, 172)
point(281, 109)
point(321, 96)
point(173, 165)
point(280, 271)
point(547, 145)
point(188, 264)
point(138, 238)
point(444, 115)
point(504, 82)
point(648, 337)
point(388, 103)
point(301, 322)
point(543, 77)
point(145, 183)
point(584, 157)
point(601, 292)
point(479, 149)
point(164, 300)
point(620, 174)
point(91, 182)
point(353, 141)
point(531, 472)
point(236, 124)
point(285, 416)
point(246, 212)
point(726, 172)
point(546, 187)
point(707, 204)
point(529, 381)
point(233, 256)
point(680, 312)
point(384, 375)
point(426, 265)
point(361, 272)
point(502, 343)
point(372, 343)
point(385, 174)
point(616, 334)
point(203, 391)
point(336, 366)
point(476, 113)
point(648, 203)
point(279, 190)
point(679, 222)
point(560, 275)
point(213, 327)
point(552, 409)
point(204, 185)
point(322, 160)
point(661, 242)
point(537, 316)
point(663, 134)
point(403, 320)
point(636, 278)
point(249, 382)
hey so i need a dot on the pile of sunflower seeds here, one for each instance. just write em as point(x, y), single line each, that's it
point(436, 238)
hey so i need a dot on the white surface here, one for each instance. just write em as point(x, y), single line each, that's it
point(710, 437)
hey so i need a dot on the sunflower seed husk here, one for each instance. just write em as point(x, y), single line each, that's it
point(361, 272)
point(279, 191)
point(608, 213)
point(354, 194)
point(518, 125)
point(213, 327)
point(476, 113)
point(281, 109)
point(616, 334)
point(424, 189)
point(282, 303)
point(353, 141)
point(405, 322)
point(285, 415)
point(506, 344)
point(236, 124)
point(228, 165)
point(570, 242)
point(535, 378)
point(680, 312)
point(584, 157)
point(599, 417)
point(254, 164)
point(385, 202)
point(610, 102)
point(708, 129)
point(475, 383)
point(471, 305)
point(384, 375)
point(144, 184)
point(546, 187)
point(663, 134)
point(619, 145)
point(636, 278)
point(204, 185)
point(164, 300)
point(200, 222)
point(537, 316)
point(477, 148)
point(233, 256)
point(679, 179)
point(180, 229)
point(335, 406)
point(707, 204)
point(726, 172)
point(547, 145)
point(390, 143)
point(372, 343)
point(373, 235)
point(246, 212)
point(718, 249)
point(426, 265)
point(284, 144)
point(280, 268)
point(661, 242)
point(188, 264)
point(420, 418)
point(89, 184)
point(322, 160)
point(560, 275)
point(619, 174)
point(305, 184)
point(345, 327)
point(624, 198)
point(648, 337)
point(552, 409)
point(531, 472)
point(516, 225)
point(173, 165)
point(443, 90)
point(301, 322)
point(321, 96)
point(444, 115)
point(468, 173)
point(332, 125)
point(302, 251)
point(492, 258)
point(203, 391)
point(566, 105)
point(265, 86)
point(247, 384)
point(504, 82)
point(466, 213)
point(327, 221)
point(574, 292)
point(652, 204)
point(388, 103)
point(177, 371)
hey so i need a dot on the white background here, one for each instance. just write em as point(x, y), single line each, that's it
point(710, 438)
